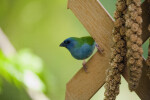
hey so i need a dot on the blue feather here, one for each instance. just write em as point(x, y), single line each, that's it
point(82, 52)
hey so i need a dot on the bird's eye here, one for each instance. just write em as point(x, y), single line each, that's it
point(66, 42)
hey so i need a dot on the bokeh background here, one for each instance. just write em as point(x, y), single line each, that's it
point(39, 69)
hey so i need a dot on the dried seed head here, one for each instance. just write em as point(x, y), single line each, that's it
point(133, 38)
point(133, 85)
point(139, 19)
point(140, 51)
point(129, 52)
point(112, 56)
point(114, 65)
point(122, 30)
point(129, 32)
point(114, 71)
point(117, 78)
point(129, 23)
point(134, 73)
point(139, 32)
point(134, 15)
point(128, 2)
point(135, 27)
point(139, 41)
point(131, 60)
point(118, 58)
point(127, 16)
point(123, 52)
point(137, 2)
point(139, 71)
point(116, 38)
point(118, 22)
point(131, 7)
point(138, 63)
point(118, 50)
point(133, 68)
point(121, 6)
point(124, 12)
point(129, 44)
point(139, 10)
point(141, 58)
point(121, 43)
point(136, 55)
point(115, 31)
point(117, 14)
point(135, 47)
point(120, 67)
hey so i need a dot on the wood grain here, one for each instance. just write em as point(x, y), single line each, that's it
point(146, 19)
point(99, 24)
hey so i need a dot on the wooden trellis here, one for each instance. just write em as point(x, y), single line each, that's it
point(99, 24)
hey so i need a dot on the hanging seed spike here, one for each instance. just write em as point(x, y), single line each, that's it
point(118, 53)
point(134, 42)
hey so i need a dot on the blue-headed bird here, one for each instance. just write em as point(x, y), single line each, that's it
point(81, 48)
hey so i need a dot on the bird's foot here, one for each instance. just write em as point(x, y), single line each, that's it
point(84, 66)
point(100, 50)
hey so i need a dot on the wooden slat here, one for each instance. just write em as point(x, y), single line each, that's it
point(146, 18)
point(99, 24)
point(84, 85)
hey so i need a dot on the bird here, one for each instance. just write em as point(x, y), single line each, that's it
point(81, 48)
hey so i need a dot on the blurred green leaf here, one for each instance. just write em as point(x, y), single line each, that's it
point(21, 69)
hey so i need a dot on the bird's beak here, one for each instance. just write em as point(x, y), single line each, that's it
point(62, 44)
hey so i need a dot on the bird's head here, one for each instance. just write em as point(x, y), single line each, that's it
point(69, 43)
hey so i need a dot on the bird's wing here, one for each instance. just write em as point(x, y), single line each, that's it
point(89, 40)
point(83, 40)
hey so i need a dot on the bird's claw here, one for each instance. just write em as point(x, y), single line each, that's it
point(100, 50)
point(84, 66)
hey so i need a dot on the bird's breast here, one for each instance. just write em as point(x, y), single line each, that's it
point(82, 52)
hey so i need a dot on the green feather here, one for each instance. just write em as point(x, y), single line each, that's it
point(87, 39)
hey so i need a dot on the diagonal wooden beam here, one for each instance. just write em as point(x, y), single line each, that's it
point(99, 24)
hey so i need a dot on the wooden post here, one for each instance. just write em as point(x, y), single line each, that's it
point(99, 24)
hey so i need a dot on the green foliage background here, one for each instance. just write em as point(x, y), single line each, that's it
point(42, 25)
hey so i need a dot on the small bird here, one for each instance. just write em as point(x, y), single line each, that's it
point(81, 48)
